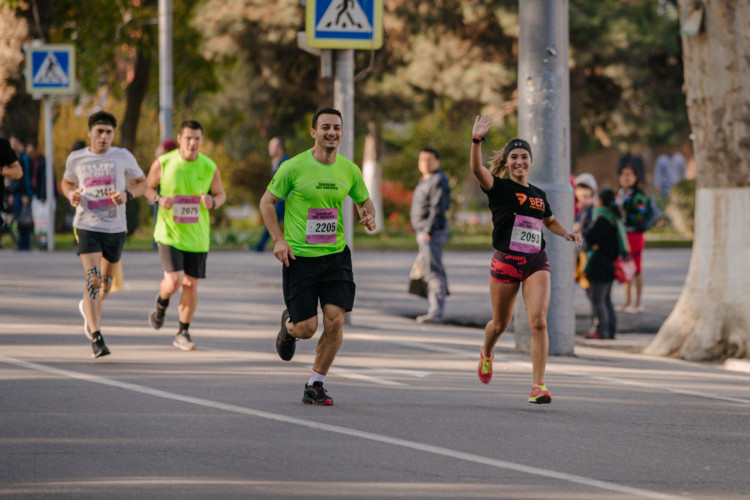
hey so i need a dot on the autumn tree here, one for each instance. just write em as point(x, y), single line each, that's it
point(711, 319)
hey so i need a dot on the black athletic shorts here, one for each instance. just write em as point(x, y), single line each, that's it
point(108, 244)
point(192, 263)
point(308, 280)
point(512, 268)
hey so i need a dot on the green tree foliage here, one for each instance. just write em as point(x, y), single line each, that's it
point(627, 73)
point(117, 47)
point(269, 86)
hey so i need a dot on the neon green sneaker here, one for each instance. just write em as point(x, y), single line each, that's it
point(484, 370)
point(540, 395)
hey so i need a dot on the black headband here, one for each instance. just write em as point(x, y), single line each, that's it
point(102, 121)
point(516, 144)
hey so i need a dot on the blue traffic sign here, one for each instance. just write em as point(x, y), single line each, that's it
point(50, 69)
point(345, 24)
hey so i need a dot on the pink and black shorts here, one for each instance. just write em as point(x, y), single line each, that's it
point(513, 269)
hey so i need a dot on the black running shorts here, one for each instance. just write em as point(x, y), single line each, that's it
point(513, 268)
point(192, 263)
point(308, 280)
point(108, 244)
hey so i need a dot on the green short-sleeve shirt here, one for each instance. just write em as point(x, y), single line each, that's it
point(315, 192)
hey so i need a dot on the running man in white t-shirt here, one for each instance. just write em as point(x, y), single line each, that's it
point(98, 181)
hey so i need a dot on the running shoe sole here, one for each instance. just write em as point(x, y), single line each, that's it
point(541, 400)
point(285, 343)
point(309, 401)
point(85, 322)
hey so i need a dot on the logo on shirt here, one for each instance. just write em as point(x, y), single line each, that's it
point(534, 203)
point(326, 185)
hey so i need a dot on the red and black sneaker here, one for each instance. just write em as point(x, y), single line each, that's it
point(316, 395)
point(284, 341)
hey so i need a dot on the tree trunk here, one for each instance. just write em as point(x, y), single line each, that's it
point(134, 95)
point(21, 113)
point(371, 170)
point(712, 317)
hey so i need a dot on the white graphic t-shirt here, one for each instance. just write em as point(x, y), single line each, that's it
point(97, 175)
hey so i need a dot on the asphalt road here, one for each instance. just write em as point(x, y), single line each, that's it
point(410, 418)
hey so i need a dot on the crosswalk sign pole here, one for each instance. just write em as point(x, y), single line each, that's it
point(50, 70)
point(50, 173)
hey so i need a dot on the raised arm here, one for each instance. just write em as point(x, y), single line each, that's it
point(482, 125)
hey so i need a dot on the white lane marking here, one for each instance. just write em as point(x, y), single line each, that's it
point(343, 372)
point(379, 438)
point(400, 371)
point(358, 375)
point(684, 392)
point(553, 369)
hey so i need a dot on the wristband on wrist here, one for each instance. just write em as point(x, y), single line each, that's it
point(129, 195)
point(567, 233)
point(477, 140)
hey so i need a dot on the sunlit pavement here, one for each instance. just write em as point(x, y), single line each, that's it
point(410, 417)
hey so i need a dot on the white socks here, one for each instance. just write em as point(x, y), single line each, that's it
point(316, 377)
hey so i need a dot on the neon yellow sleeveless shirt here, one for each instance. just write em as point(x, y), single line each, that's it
point(187, 225)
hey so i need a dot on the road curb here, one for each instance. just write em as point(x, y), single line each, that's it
point(737, 365)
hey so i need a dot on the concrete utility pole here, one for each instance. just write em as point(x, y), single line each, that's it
point(544, 121)
point(166, 73)
point(343, 100)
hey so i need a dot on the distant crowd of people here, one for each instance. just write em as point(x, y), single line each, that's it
point(613, 224)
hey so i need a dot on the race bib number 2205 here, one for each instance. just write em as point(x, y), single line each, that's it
point(322, 225)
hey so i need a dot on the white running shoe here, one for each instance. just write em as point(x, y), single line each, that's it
point(85, 322)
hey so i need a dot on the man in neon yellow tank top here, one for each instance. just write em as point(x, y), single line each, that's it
point(186, 185)
point(317, 262)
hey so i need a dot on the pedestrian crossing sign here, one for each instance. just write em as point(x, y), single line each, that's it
point(50, 69)
point(345, 24)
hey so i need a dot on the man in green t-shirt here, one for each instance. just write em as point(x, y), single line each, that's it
point(186, 185)
point(317, 262)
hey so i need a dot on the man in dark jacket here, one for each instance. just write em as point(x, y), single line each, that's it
point(20, 191)
point(429, 206)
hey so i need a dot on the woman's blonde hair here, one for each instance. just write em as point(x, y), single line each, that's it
point(498, 164)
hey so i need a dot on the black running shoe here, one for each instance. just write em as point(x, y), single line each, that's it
point(156, 318)
point(183, 341)
point(316, 395)
point(285, 343)
point(99, 347)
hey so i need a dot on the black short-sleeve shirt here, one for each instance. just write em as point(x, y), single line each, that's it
point(7, 157)
point(508, 199)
